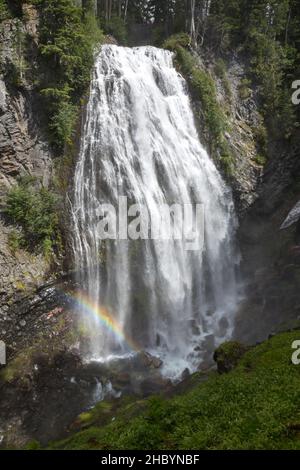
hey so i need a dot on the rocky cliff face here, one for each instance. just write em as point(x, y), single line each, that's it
point(271, 257)
point(265, 190)
point(23, 148)
point(244, 121)
point(23, 151)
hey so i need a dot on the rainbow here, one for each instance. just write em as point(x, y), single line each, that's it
point(101, 314)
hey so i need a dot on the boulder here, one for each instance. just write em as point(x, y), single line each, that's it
point(146, 360)
point(292, 217)
point(228, 355)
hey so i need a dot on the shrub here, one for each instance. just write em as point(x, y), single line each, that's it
point(177, 40)
point(117, 28)
point(15, 240)
point(214, 116)
point(34, 210)
point(33, 445)
point(3, 10)
point(228, 355)
point(62, 122)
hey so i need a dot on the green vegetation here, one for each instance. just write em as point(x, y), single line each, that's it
point(221, 72)
point(68, 36)
point(204, 90)
point(260, 160)
point(261, 138)
point(34, 209)
point(176, 41)
point(33, 445)
point(255, 406)
point(16, 240)
point(67, 42)
point(116, 27)
point(228, 355)
point(3, 10)
point(265, 32)
point(268, 33)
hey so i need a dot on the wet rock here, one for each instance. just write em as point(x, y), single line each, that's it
point(145, 359)
point(185, 374)
point(223, 327)
point(47, 396)
point(292, 218)
point(208, 343)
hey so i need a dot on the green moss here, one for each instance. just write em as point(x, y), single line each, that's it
point(255, 406)
point(33, 445)
point(261, 160)
point(228, 354)
point(20, 286)
point(17, 367)
point(98, 414)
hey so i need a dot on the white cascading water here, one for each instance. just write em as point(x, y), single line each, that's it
point(140, 141)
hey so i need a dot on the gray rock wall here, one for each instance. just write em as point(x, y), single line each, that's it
point(23, 151)
point(23, 148)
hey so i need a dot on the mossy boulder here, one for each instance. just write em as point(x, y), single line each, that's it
point(228, 355)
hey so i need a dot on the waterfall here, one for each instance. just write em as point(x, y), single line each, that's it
point(140, 141)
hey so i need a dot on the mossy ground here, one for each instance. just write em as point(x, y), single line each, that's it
point(256, 406)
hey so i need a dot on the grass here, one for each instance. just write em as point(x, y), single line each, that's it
point(256, 406)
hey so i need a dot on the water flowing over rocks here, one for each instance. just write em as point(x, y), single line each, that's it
point(140, 141)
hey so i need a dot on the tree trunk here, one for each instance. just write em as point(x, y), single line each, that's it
point(287, 27)
point(110, 10)
point(192, 28)
point(126, 10)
